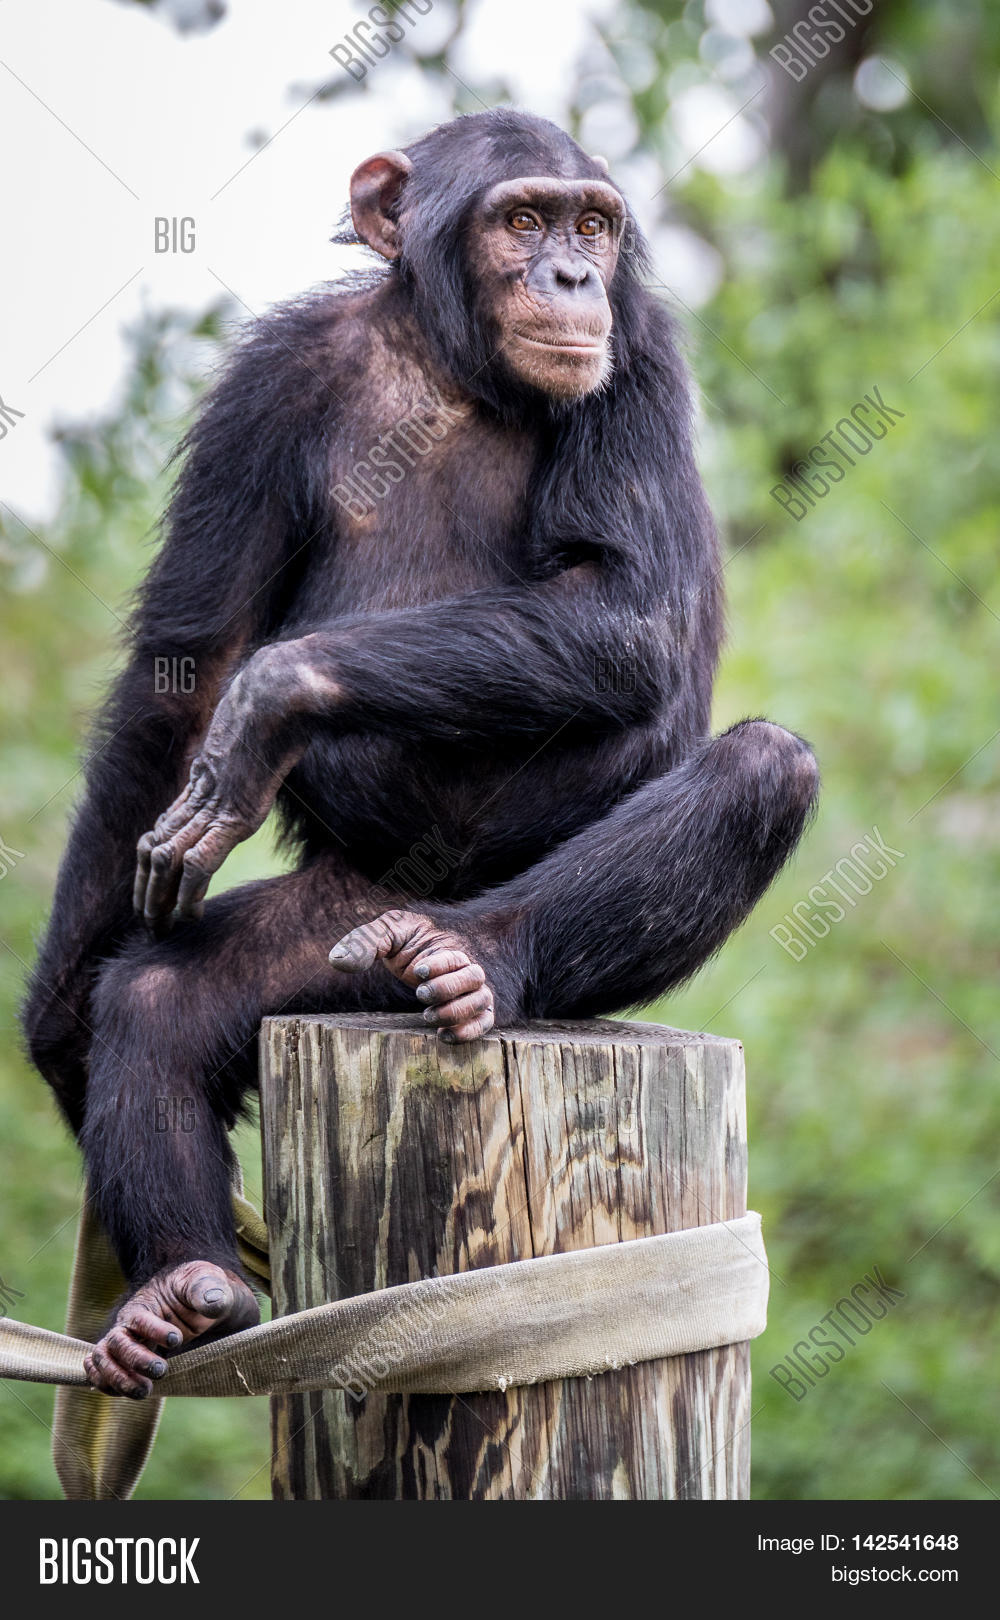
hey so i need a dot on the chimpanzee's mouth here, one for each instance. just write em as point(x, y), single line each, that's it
point(584, 344)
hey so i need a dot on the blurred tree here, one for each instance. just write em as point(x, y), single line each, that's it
point(952, 57)
point(189, 16)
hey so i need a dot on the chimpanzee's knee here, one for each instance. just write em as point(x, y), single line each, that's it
point(160, 1024)
point(775, 770)
point(137, 986)
point(56, 1037)
point(45, 1026)
point(154, 1016)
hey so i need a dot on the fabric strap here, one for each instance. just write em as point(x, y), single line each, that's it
point(557, 1316)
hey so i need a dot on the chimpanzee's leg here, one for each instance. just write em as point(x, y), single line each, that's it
point(641, 900)
point(616, 915)
point(173, 1052)
point(629, 906)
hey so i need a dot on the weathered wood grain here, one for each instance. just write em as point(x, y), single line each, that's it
point(390, 1157)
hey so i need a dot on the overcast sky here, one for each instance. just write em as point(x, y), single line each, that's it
point(110, 118)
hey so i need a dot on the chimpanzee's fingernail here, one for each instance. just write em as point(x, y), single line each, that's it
point(338, 953)
point(423, 992)
point(430, 1015)
point(423, 971)
point(446, 1035)
point(173, 1338)
point(157, 1369)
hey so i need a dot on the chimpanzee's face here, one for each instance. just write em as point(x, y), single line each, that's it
point(543, 254)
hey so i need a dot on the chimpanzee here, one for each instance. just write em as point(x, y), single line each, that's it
point(442, 568)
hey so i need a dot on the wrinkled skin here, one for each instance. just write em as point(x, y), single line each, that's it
point(234, 780)
point(435, 963)
point(173, 1308)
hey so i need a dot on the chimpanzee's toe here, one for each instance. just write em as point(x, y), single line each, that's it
point(433, 961)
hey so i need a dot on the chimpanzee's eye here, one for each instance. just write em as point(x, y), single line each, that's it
point(592, 225)
point(520, 221)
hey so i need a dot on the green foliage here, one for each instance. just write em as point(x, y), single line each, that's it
point(871, 626)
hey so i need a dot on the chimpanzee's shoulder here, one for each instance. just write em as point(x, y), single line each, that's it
point(334, 311)
point(300, 355)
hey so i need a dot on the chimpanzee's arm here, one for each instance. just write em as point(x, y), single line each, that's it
point(208, 599)
point(591, 648)
point(583, 649)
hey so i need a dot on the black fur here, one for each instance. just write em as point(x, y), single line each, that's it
point(523, 639)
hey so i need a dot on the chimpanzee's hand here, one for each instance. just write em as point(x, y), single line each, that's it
point(176, 861)
point(189, 843)
point(234, 780)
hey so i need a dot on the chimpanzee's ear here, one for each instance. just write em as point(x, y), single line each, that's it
point(602, 162)
point(375, 186)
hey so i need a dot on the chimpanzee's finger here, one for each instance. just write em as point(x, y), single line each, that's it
point(105, 1374)
point(472, 1031)
point(177, 815)
point(362, 947)
point(202, 860)
point(453, 1014)
point(195, 879)
point(430, 964)
point(164, 880)
point(143, 849)
point(145, 1324)
point(164, 863)
point(148, 842)
point(435, 992)
point(134, 1356)
point(167, 870)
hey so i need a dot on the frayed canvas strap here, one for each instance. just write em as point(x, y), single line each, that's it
point(558, 1316)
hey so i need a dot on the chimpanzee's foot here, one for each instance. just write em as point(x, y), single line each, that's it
point(438, 964)
point(173, 1308)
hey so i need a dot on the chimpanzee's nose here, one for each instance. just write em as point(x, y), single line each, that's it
point(570, 273)
point(564, 273)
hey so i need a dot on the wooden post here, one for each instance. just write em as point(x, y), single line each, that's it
point(390, 1157)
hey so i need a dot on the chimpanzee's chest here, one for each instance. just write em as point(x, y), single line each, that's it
point(432, 506)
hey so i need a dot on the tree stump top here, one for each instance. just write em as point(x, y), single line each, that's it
point(582, 1032)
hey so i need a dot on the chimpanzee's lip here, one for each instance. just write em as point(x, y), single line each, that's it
point(583, 344)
